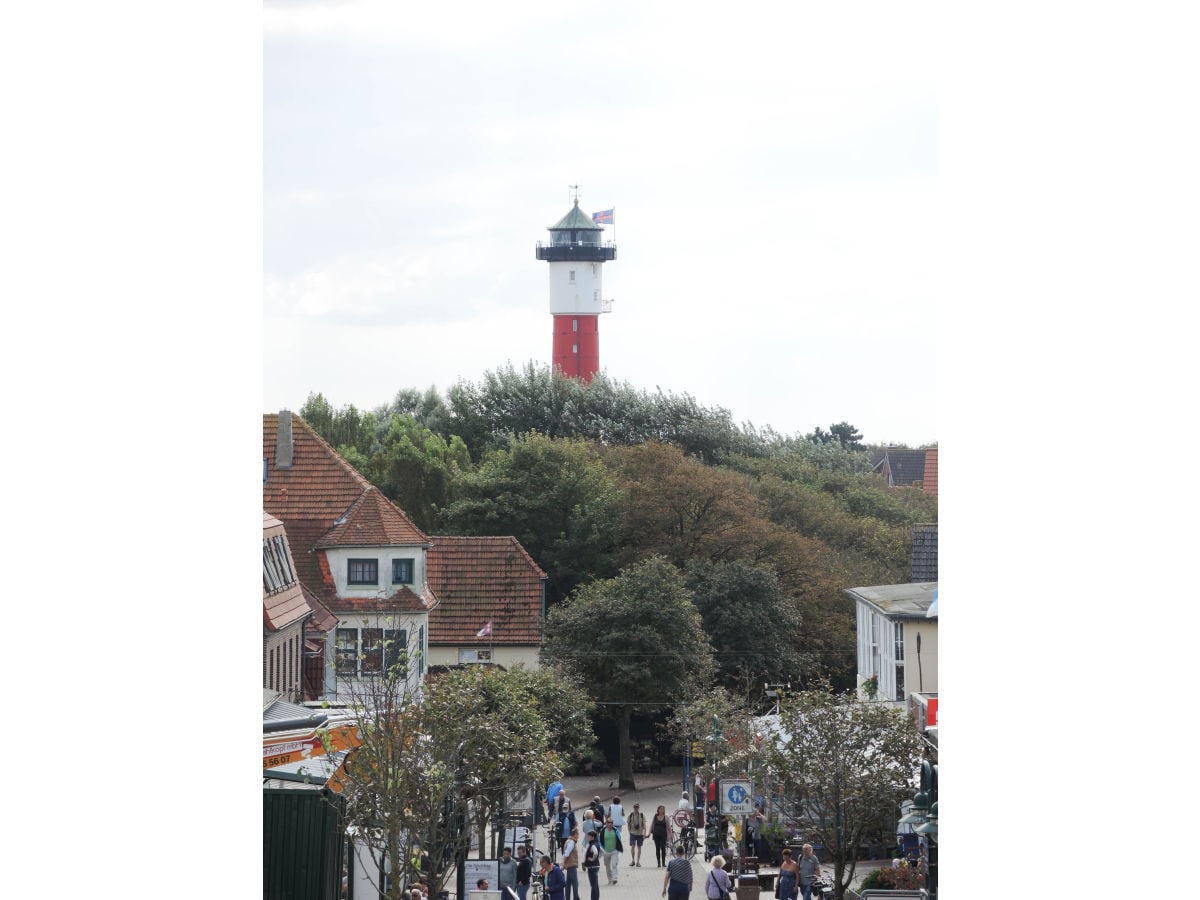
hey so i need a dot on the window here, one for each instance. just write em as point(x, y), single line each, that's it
point(571, 277)
point(363, 571)
point(574, 324)
point(899, 626)
point(346, 651)
point(277, 570)
point(402, 571)
point(371, 651)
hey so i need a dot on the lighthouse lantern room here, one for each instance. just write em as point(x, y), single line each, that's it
point(576, 256)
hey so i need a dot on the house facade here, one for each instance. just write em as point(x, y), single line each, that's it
point(359, 555)
point(896, 639)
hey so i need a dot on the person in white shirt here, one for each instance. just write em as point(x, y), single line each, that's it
point(616, 812)
point(684, 802)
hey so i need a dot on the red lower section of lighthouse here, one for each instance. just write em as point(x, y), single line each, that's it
point(577, 346)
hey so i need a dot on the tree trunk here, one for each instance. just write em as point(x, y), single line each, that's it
point(625, 757)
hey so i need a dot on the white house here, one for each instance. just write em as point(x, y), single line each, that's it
point(897, 641)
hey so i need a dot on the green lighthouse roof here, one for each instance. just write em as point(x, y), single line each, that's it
point(576, 220)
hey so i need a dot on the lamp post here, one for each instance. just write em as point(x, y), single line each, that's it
point(924, 816)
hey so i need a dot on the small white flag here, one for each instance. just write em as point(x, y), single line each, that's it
point(484, 631)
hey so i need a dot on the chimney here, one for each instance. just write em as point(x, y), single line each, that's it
point(283, 441)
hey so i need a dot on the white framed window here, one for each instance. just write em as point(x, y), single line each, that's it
point(402, 571)
point(362, 571)
point(899, 659)
point(571, 276)
point(371, 651)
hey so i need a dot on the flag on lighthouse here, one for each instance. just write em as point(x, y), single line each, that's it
point(485, 631)
point(604, 217)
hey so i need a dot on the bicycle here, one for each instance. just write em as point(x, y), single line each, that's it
point(687, 837)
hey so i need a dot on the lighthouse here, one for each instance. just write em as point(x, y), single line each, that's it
point(576, 256)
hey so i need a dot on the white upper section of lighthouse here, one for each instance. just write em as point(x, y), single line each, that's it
point(575, 288)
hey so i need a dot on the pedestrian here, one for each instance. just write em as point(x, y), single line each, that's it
point(481, 884)
point(616, 812)
point(810, 868)
point(565, 823)
point(554, 879)
point(698, 786)
point(570, 864)
point(788, 882)
point(589, 825)
point(660, 831)
point(678, 878)
point(524, 872)
point(684, 802)
point(717, 884)
point(591, 864)
point(637, 834)
point(754, 830)
point(598, 809)
point(508, 872)
point(611, 848)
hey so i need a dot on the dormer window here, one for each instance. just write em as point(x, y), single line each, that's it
point(363, 571)
point(402, 571)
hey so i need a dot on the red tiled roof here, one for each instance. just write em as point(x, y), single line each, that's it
point(403, 600)
point(480, 580)
point(323, 619)
point(312, 494)
point(373, 519)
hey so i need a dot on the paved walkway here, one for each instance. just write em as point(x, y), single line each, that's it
point(646, 882)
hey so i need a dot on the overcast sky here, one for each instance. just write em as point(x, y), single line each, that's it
point(774, 178)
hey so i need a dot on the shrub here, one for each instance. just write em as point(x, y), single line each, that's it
point(904, 878)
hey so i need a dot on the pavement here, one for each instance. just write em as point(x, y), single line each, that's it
point(646, 882)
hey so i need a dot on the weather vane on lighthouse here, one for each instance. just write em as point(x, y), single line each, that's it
point(576, 255)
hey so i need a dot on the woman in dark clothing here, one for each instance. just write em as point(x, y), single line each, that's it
point(660, 830)
point(591, 864)
point(678, 879)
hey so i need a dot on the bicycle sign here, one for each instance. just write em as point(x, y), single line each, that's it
point(683, 817)
point(737, 796)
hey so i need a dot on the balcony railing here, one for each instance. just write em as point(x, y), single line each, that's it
point(577, 251)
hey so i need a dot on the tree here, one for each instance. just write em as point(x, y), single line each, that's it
point(428, 755)
point(847, 764)
point(635, 640)
point(754, 629)
point(725, 726)
point(554, 496)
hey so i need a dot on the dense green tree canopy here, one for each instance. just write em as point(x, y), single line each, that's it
point(555, 497)
point(634, 641)
point(755, 630)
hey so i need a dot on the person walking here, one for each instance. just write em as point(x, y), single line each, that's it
point(678, 878)
point(788, 880)
point(570, 864)
point(660, 831)
point(718, 880)
point(809, 868)
point(610, 847)
point(554, 879)
point(754, 824)
point(524, 872)
point(589, 825)
point(564, 824)
point(507, 879)
point(684, 802)
point(637, 834)
point(616, 812)
point(591, 864)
